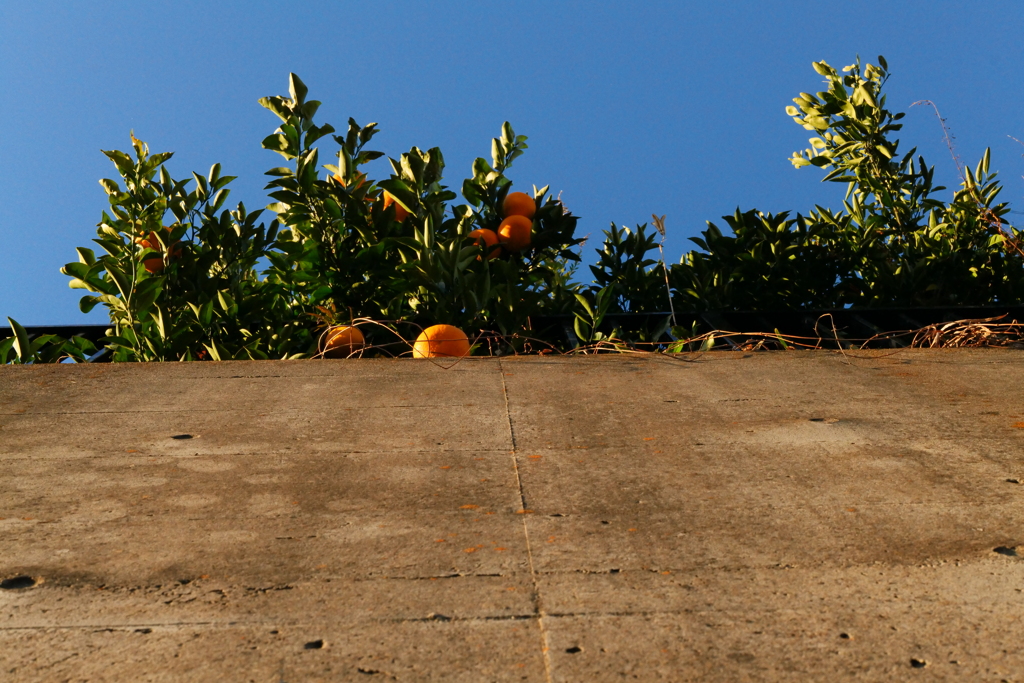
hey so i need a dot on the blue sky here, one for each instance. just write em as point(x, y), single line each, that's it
point(631, 108)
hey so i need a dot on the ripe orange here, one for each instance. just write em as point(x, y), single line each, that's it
point(486, 239)
point(341, 341)
point(514, 233)
point(155, 264)
point(148, 241)
point(518, 204)
point(441, 341)
point(400, 213)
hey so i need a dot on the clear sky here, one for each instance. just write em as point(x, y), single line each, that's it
point(631, 107)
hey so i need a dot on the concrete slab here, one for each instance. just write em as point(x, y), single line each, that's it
point(727, 517)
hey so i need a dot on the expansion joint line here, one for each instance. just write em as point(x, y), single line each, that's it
point(537, 606)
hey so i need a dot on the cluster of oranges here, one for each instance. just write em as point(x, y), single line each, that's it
point(437, 341)
point(515, 232)
point(446, 341)
point(155, 264)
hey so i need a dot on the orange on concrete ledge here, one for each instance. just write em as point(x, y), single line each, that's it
point(441, 341)
point(341, 341)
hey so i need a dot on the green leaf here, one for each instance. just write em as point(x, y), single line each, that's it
point(277, 105)
point(21, 342)
point(213, 350)
point(5, 349)
point(281, 144)
point(402, 193)
point(86, 256)
point(121, 160)
point(87, 303)
point(586, 304)
point(297, 89)
point(315, 133)
point(496, 153)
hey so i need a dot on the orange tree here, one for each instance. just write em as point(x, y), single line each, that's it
point(177, 275)
point(894, 242)
point(397, 248)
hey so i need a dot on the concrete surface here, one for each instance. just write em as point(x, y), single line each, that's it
point(784, 516)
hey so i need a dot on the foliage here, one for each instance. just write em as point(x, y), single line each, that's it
point(342, 251)
point(179, 275)
point(183, 290)
point(45, 348)
point(893, 243)
point(183, 278)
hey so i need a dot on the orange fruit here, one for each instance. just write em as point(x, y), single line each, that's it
point(341, 341)
point(154, 265)
point(518, 204)
point(148, 241)
point(400, 213)
point(514, 233)
point(486, 239)
point(441, 341)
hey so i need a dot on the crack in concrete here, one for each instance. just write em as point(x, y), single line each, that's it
point(537, 606)
point(137, 627)
point(130, 627)
point(432, 578)
point(188, 411)
point(441, 617)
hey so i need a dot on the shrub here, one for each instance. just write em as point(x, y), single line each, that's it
point(893, 243)
point(180, 276)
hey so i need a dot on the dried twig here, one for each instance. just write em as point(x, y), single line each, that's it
point(659, 225)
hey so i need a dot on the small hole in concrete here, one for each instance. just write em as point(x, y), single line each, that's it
point(605, 522)
point(369, 672)
point(1013, 481)
point(438, 617)
point(844, 636)
point(17, 582)
point(143, 630)
point(314, 645)
point(274, 632)
point(557, 514)
point(1003, 550)
point(817, 419)
point(181, 437)
point(574, 649)
point(613, 571)
point(918, 663)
